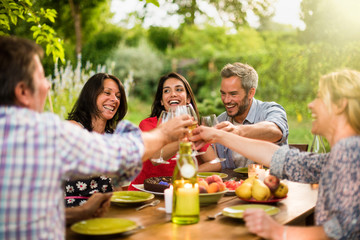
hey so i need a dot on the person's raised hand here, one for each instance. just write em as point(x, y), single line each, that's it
point(259, 222)
point(203, 135)
point(175, 128)
point(227, 126)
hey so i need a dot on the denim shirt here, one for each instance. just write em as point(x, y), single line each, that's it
point(259, 111)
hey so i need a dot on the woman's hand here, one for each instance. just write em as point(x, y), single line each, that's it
point(259, 222)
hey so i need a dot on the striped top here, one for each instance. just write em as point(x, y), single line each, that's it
point(37, 151)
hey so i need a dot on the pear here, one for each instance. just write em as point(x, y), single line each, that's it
point(244, 190)
point(260, 191)
point(250, 179)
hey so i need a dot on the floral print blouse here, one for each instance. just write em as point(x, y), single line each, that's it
point(77, 192)
point(338, 174)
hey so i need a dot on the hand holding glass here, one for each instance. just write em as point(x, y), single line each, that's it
point(211, 121)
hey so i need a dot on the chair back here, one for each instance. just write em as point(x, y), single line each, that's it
point(300, 146)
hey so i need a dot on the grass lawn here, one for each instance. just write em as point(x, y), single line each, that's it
point(299, 132)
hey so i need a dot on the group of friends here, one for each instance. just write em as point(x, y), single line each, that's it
point(45, 161)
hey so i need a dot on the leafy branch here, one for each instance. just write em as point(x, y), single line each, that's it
point(11, 11)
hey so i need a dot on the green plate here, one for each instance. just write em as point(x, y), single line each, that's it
point(238, 210)
point(103, 226)
point(206, 174)
point(241, 170)
point(131, 197)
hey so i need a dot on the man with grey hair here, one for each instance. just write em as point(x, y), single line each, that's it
point(245, 115)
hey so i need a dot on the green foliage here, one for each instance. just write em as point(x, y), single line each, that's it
point(11, 11)
point(142, 63)
point(98, 49)
point(162, 37)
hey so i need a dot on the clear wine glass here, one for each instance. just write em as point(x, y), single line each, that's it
point(317, 145)
point(164, 117)
point(211, 121)
point(191, 111)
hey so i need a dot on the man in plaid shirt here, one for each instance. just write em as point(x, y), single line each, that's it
point(37, 150)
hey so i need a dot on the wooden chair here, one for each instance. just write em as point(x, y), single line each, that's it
point(300, 146)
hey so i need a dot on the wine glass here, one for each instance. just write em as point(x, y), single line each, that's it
point(191, 111)
point(211, 121)
point(317, 145)
point(164, 117)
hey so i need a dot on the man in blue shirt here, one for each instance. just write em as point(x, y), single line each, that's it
point(245, 115)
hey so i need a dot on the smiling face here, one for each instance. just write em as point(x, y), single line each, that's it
point(321, 116)
point(108, 100)
point(237, 103)
point(173, 94)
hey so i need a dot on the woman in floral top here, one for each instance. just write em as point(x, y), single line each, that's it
point(336, 114)
point(100, 106)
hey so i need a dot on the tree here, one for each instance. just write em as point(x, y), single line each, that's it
point(11, 12)
point(234, 11)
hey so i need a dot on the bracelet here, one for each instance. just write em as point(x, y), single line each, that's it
point(284, 233)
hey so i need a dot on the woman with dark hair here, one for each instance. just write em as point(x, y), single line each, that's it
point(100, 107)
point(173, 90)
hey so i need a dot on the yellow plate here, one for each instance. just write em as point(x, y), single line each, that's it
point(206, 174)
point(238, 210)
point(131, 197)
point(103, 226)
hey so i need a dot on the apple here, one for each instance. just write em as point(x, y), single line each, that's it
point(272, 182)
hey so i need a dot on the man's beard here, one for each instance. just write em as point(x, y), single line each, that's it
point(244, 104)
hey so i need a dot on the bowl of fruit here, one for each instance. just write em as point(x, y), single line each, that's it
point(270, 190)
point(212, 189)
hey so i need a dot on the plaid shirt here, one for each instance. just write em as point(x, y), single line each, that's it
point(37, 151)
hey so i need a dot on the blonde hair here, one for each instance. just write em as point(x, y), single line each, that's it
point(344, 84)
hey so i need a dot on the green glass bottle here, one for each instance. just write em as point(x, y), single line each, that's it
point(186, 206)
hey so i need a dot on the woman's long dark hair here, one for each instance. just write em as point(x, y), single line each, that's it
point(156, 107)
point(85, 107)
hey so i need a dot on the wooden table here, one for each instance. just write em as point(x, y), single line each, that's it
point(294, 210)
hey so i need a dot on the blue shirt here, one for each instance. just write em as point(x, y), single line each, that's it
point(338, 174)
point(37, 151)
point(259, 111)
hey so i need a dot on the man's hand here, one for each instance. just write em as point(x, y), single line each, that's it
point(95, 206)
point(227, 126)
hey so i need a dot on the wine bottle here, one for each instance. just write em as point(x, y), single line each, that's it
point(186, 206)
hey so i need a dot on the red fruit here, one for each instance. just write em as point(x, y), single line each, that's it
point(272, 182)
point(217, 178)
point(209, 179)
